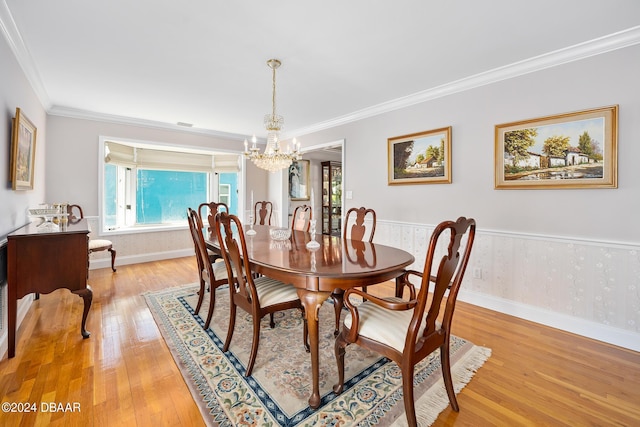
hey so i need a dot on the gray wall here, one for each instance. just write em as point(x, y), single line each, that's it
point(606, 214)
point(569, 258)
point(15, 91)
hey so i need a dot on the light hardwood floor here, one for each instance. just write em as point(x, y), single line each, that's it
point(124, 374)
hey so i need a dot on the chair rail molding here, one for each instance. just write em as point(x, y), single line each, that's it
point(583, 286)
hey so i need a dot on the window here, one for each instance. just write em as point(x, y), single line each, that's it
point(224, 193)
point(150, 186)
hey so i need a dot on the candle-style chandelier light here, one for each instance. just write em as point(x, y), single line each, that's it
point(273, 158)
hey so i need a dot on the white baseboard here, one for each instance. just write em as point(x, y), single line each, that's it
point(585, 328)
point(139, 259)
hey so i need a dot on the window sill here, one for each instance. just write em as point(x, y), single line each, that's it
point(144, 229)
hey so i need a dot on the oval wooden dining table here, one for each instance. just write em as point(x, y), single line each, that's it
point(316, 273)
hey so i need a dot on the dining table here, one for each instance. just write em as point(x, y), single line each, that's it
point(316, 273)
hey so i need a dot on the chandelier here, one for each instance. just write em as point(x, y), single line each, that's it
point(273, 158)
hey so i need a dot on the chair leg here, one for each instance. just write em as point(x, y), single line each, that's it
point(445, 361)
point(113, 259)
point(254, 345)
point(212, 303)
point(272, 323)
point(340, 348)
point(232, 326)
point(200, 295)
point(407, 391)
point(338, 303)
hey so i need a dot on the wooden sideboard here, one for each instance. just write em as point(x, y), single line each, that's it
point(42, 261)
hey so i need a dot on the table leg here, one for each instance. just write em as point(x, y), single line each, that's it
point(312, 301)
point(399, 287)
point(87, 296)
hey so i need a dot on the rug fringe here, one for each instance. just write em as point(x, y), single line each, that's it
point(429, 406)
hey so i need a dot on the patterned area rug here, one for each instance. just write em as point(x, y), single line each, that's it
point(277, 392)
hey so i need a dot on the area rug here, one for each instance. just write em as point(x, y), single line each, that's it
point(277, 392)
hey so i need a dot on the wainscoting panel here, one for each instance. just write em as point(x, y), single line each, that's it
point(582, 286)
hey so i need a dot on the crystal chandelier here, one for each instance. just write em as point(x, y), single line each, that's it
point(273, 158)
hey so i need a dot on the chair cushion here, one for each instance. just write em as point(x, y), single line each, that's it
point(99, 244)
point(271, 291)
point(386, 326)
point(220, 270)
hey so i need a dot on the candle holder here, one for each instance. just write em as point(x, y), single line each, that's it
point(251, 231)
point(312, 244)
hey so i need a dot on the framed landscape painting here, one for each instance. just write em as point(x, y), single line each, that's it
point(23, 152)
point(420, 158)
point(571, 150)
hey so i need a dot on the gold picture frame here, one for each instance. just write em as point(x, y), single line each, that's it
point(23, 152)
point(420, 158)
point(571, 150)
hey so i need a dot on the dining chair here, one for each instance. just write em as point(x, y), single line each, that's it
point(257, 296)
point(302, 217)
point(262, 214)
point(213, 274)
point(209, 210)
point(355, 229)
point(76, 213)
point(407, 331)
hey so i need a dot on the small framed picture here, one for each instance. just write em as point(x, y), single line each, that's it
point(23, 152)
point(571, 150)
point(420, 158)
point(299, 180)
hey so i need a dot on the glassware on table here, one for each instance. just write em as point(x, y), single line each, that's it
point(250, 231)
point(312, 244)
point(48, 214)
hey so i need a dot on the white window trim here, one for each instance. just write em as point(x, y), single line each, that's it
point(134, 229)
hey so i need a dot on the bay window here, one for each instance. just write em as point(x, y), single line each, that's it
point(148, 186)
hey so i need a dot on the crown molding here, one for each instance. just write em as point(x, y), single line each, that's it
point(598, 46)
point(112, 118)
point(16, 44)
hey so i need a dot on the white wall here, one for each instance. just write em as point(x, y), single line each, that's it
point(15, 91)
point(590, 281)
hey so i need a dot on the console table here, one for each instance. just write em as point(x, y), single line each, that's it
point(42, 261)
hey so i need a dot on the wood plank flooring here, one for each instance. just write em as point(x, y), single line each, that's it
point(124, 374)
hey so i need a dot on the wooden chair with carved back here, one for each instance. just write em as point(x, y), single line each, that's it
point(257, 296)
point(76, 213)
point(262, 212)
point(208, 211)
point(355, 229)
point(212, 274)
point(302, 217)
point(407, 331)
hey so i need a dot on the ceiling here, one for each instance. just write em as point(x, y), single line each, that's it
point(203, 62)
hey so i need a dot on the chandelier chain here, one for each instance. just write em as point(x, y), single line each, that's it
point(273, 158)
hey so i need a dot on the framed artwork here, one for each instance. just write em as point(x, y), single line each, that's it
point(420, 158)
point(299, 180)
point(571, 150)
point(23, 152)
